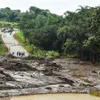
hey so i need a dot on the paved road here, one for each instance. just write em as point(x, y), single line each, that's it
point(12, 45)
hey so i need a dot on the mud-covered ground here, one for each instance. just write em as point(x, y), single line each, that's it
point(31, 76)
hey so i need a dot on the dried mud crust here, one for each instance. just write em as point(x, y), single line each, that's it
point(32, 76)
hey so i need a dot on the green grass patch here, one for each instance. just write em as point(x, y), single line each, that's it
point(52, 54)
point(8, 24)
point(3, 48)
point(21, 39)
point(95, 92)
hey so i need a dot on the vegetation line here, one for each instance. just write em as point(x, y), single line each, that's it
point(3, 48)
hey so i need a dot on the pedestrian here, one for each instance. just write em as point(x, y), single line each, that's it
point(17, 53)
point(12, 53)
point(23, 53)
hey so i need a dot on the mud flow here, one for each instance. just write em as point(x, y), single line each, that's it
point(33, 76)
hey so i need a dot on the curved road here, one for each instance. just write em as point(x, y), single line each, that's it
point(13, 46)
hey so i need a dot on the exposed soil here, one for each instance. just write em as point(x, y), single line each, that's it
point(31, 76)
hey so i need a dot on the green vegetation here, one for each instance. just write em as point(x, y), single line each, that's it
point(6, 14)
point(75, 34)
point(3, 48)
point(52, 54)
point(9, 18)
point(8, 24)
point(33, 50)
point(20, 37)
point(95, 92)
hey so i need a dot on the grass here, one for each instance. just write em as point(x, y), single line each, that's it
point(3, 48)
point(21, 39)
point(95, 92)
point(8, 24)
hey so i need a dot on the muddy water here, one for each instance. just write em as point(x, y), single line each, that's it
point(55, 97)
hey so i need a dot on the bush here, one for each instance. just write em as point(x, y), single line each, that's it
point(3, 48)
point(39, 53)
point(95, 93)
point(0, 41)
point(8, 24)
point(52, 54)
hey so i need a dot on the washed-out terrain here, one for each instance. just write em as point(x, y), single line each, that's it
point(32, 76)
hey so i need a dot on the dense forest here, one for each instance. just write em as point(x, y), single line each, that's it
point(75, 33)
point(6, 14)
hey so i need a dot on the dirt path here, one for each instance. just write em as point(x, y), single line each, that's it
point(12, 44)
point(55, 97)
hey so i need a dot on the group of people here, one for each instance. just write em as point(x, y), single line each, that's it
point(22, 54)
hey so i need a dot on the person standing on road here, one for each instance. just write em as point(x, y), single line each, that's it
point(17, 53)
point(23, 53)
point(12, 53)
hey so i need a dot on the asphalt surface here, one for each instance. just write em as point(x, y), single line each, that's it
point(13, 46)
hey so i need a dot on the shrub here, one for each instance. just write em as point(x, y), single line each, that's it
point(52, 54)
point(95, 93)
point(39, 53)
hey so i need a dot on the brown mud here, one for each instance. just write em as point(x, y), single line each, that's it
point(35, 76)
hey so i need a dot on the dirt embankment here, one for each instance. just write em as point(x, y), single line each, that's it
point(31, 76)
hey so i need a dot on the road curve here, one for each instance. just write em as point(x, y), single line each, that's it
point(13, 46)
